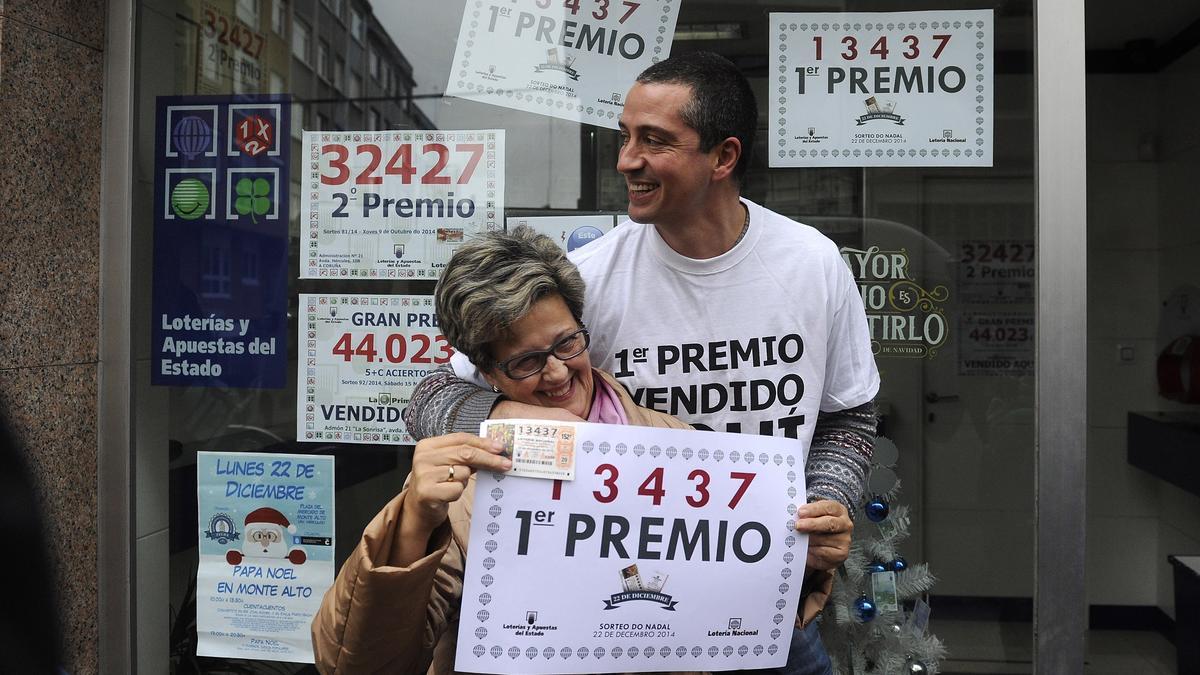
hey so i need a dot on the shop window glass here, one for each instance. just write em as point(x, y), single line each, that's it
point(358, 28)
point(279, 17)
point(334, 7)
point(247, 12)
point(301, 39)
point(250, 268)
point(963, 430)
point(339, 72)
point(214, 280)
point(356, 89)
point(323, 59)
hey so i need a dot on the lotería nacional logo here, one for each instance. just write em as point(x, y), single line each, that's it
point(947, 136)
point(880, 110)
point(735, 628)
point(636, 588)
point(611, 99)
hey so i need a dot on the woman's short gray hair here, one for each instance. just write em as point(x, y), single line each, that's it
point(493, 280)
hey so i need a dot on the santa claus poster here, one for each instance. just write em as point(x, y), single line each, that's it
point(266, 553)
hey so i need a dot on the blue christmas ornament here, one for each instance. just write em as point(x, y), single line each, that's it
point(864, 608)
point(899, 564)
point(876, 568)
point(876, 509)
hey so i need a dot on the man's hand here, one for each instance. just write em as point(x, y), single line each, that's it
point(828, 526)
point(507, 410)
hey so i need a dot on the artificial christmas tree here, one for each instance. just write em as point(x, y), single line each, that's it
point(875, 622)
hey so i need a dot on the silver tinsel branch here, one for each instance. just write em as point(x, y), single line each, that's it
point(886, 644)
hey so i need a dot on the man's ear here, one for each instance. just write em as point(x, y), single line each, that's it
point(728, 152)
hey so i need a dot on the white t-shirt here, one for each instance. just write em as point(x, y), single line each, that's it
point(757, 340)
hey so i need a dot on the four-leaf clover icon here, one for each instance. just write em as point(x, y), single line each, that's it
point(252, 197)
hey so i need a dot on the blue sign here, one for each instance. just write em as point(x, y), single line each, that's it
point(221, 177)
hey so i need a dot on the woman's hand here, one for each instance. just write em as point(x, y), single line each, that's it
point(440, 469)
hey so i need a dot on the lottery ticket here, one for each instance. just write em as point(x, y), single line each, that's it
point(630, 579)
point(538, 448)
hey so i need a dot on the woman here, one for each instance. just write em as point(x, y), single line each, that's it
point(512, 303)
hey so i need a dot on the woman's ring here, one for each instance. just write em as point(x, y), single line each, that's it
point(450, 475)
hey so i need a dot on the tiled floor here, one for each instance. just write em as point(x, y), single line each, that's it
point(1006, 648)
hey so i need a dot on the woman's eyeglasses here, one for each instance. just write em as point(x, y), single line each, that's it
point(529, 364)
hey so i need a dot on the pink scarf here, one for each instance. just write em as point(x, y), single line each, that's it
point(606, 406)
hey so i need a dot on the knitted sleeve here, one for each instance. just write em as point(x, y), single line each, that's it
point(443, 404)
point(840, 455)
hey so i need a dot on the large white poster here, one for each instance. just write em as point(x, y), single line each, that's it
point(396, 204)
point(571, 59)
point(361, 356)
point(881, 88)
point(266, 553)
point(670, 550)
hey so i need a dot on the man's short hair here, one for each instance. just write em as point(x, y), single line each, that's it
point(493, 280)
point(722, 102)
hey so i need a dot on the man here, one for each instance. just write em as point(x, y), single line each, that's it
point(711, 308)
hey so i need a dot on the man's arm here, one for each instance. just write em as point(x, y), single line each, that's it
point(835, 475)
point(840, 456)
point(443, 404)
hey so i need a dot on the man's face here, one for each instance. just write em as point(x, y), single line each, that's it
point(666, 174)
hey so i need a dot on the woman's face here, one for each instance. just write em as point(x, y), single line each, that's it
point(561, 384)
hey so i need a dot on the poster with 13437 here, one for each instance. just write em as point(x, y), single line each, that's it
point(881, 88)
point(570, 59)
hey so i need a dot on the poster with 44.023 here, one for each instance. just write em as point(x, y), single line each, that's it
point(361, 356)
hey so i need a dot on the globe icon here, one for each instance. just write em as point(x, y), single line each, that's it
point(191, 136)
point(189, 199)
